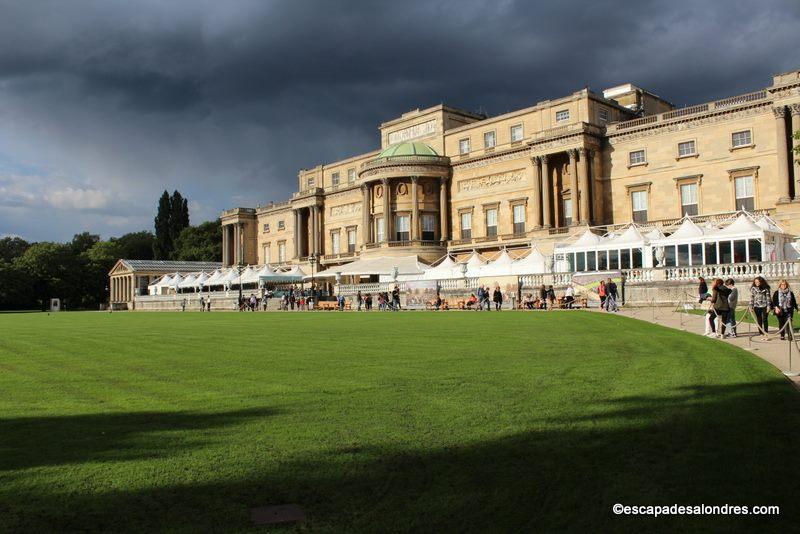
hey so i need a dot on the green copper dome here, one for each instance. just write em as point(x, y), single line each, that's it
point(411, 148)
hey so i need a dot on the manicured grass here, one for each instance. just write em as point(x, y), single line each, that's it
point(412, 421)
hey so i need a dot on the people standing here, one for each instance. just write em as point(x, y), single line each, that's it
point(702, 290)
point(183, 305)
point(542, 297)
point(760, 303)
point(601, 291)
point(784, 304)
point(611, 295)
point(208, 303)
point(202, 304)
point(359, 300)
point(396, 298)
point(569, 296)
point(551, 297)
point(720, 306)
point(498, 298)
point(733, 301)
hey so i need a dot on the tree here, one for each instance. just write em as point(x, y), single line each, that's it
point(12, 247)
point(200, 243)
point(84, 241)
point(180, 215)
point(162, 246)
point(52, 270)
point(136, 245)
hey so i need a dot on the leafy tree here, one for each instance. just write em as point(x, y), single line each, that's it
point(200, 243)
point(162, 246)
point(84, 241)
point(12, 247)
point(136, 245)
point(52, 270)
point(15, 289)
point(179, 218)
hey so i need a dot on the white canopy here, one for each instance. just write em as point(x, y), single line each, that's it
point(188, 281)
point(249, 276)
point(446, 269)
point(500, 266)
point(474, 265)
point(176, 281)
point(630, 237)
point(230, 278)
point(653, 234)
point(587, 241)
point(686, 232)
point(200, 281)
point(533, 263)
point(213, 280)
point(767, 224)
point(742, 227)
point(381, 265)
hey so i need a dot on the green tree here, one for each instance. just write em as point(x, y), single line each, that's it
point(200, 243)
point(179, 217)
point(136, 245)
point(84, 241)
point(162, 246)
point(53, 270)
point(12, 247)
point(15, 289)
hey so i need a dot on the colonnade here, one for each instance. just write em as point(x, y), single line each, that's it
point(121, 288)
point(787, 120)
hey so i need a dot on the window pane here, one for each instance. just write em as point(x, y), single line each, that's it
point(488, 140)
point(741, 138)
point(711, 253)
point(625, 262)
point(613, 259)
point(516, 133)
point(669, 256)
point(491, 217)
point(636, 157)
point(466, 221)
point(637, 258)
point(740, 251)
point(591, 261)
point(428, 222)
point(581, 257)
point(463, 146)
point(571, 261)
point(755, 249)
point(683, 255)
point(687, 148)
point(562, 115)
point(725, 255)
point(689, 194)
point(380, 230)
point(697, 254)
point(639, 199)
point(602, 260)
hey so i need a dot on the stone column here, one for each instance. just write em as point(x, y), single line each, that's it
point(414, 208)
point(583, 175)
point(224, 246)
point(597, 186)
point(296, 214)
point(443, 229)
point(318, 228)
point(795, 157)
point(386, 217)
point(111, 288)
point(365, 194)
point(573, 183)
point(783, 154)
point(312, 249)
point(537, 191)
point(546, 190)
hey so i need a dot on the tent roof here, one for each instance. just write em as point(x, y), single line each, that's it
point(588, 238)
point(687, 230)
point(475, 260)
point(630, 236)
point(743, 225)
point(533, 263)
point(381, 265)
point(214, 279)
point(499, 266)
point(188, 280)
point(769, 225)
point(655, 233)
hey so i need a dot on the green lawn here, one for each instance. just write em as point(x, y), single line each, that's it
point(412, 421)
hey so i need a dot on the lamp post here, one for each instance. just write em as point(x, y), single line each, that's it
point(312, 259)
point(239, 269)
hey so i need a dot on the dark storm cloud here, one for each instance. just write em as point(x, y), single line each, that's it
point(110, 102)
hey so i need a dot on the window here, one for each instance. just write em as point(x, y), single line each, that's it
point(403, 232)
point(351, 240)
point(463, 146)
point(689, 199)
point(637, 157)
point(745, 193)
point(380, 230)
point(613, 259)
point(740, 251)
point(639, 206)
point(725, 255)
point(491, 222)
point(602, 260)
point(697, 254)
point(683, 254)
point(428, 227)
point(519, 219)
point(669, 256)
point(591, 261)
point(267, 258)
point(281, 225)
point(711, 253)
point(562, 115)
point(335, 179)
point(310, 182)
point(266, 228)
point(466, 225)
point(743, 138)
point(637, 258)
point(603, 115)
point(351, 176)
point(335, 244)
point(488, 140)
point(754, 250)
point(516, 133)
point(581, 261)
point(625, 258)
point(567, 211)
point(687, 148)
point(281, 251)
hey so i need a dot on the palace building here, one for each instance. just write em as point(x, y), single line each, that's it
point(449, 181)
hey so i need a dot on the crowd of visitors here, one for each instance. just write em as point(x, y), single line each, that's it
point(723, 299)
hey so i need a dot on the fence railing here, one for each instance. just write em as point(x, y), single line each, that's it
point(738, 271)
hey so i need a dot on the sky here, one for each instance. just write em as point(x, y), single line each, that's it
point(104, 104)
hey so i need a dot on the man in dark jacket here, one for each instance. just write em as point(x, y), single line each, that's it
point(720, 306)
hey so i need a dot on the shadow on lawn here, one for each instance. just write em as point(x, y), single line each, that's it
point(27, 442)
point(713, 445)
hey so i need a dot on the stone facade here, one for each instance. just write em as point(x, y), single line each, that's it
point(537, 174)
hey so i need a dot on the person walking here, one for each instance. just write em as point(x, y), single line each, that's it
point(733, 301)
point(760, 303)
point(396, 298)
point(611, 296)
point(720, 307)
point(183, 305)
point(601, 292)
point(208, 303)
point(551, 297)
point(702, 290)
point(784, 304)
point(359, 300)
point(202, 304)
point(498, 298)
point(542, 297)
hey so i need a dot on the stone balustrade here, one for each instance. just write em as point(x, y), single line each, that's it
point(738, 271)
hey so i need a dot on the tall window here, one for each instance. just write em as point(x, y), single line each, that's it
point(562, 115)
point(281, 251)
point(403, 232)
point(267, 258)
point(380, 229)
point(743, 138)
point(689, 199)
point(567, 211)
point(428, 227)
point(351, 176)
point(491, 222)
point(466, 225)
point(639, 206)
point(351, 240)
point(745, 193)
point(335, 179)
point(463, 146)
point(516, 133)
point(488, 140)
point(519, 219)
point(687, 148)
point(335, 244)
point(637, 157)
